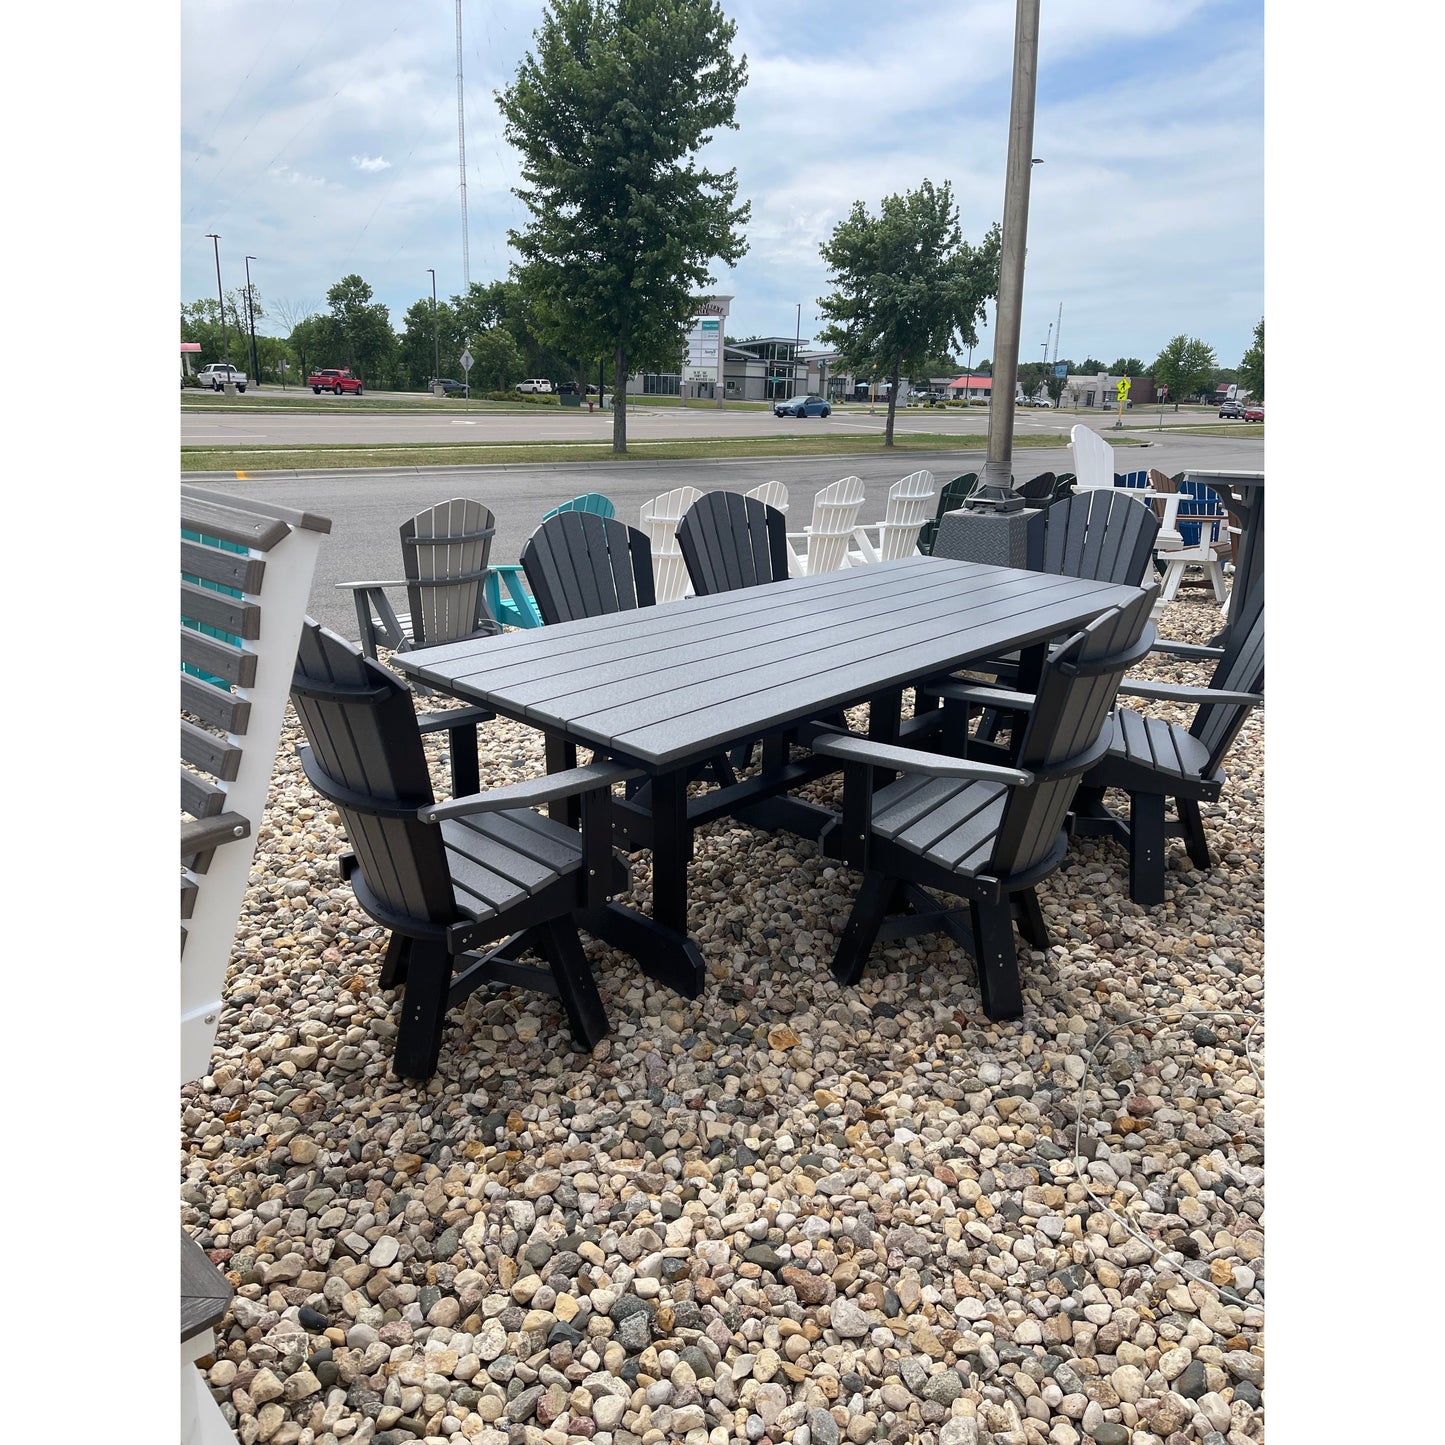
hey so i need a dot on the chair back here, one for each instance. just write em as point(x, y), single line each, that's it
point(1240, 669)
point(1104, 536)
point(1064, 485)
point(582, 564)
point(659, 519)
point(951, 496)
point(1063, 737)
point(835, 514)
point(444, 553)
point(772, 494)
point(593, 502)
point(1037, 491)
point(1093, 459)
point(1201, 518)
point(730, 541)
point(1132, 479)
point(910, 502)
point(365, 756)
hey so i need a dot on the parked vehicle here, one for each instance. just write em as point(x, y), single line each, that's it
point(809, 405)
point(337, 379)
point(1254, 413)
point(221, 373)
point(1231, 408)
point(446, 384)
point(568, 388)
point(535, 384)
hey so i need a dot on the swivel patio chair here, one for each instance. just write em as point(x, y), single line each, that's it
point(660, 517)
point(448, 878)
point(977, 830)
point(1154, 760)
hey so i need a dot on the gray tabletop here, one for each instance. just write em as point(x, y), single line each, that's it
point(671, 684)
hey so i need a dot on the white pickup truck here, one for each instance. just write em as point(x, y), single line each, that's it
point(219, 373)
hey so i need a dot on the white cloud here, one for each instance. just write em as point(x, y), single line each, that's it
point(370, 163)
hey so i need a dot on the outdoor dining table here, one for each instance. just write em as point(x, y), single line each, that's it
point(669, 687)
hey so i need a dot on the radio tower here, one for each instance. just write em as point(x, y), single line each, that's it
point(462, 156)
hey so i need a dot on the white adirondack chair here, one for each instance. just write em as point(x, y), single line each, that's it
point(910, 505)
point(1201, 505)
point(660, 517)
point(825, 539)
point(1093, 459)
point(771, 494)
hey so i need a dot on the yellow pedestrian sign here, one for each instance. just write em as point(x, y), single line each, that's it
point(1121, 390)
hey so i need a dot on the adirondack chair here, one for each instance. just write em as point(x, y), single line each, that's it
point(1195, 534)
point(1037, 491)
point(730, 541)
point(825, 540)
point(953, 495)
point(772, 494)
point(980, 831)
point(445, 551)
point(593, 502)
point(448, 878)
point(1153, 760)
point(246, 571)
point(660, 517)
point(1136, 480)
point(910, 501)
point(1064, 486)
point(1093, 459)
point(583, 564)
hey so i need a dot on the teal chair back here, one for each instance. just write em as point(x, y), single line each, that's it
point(587, 502)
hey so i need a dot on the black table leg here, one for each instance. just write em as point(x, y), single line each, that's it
point(561, 755)
point(671, 850)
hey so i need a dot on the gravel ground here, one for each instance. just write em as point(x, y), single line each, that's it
point(785, 1211)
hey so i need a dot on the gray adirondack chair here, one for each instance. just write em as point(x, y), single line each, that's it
point(582, 564)
point(981, 831)
point(448, 878)
point(1154, 760)
point(445, 551)
point(730, 541)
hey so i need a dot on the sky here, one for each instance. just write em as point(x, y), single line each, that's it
point(324, 143)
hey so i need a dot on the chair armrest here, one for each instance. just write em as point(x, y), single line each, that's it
point(532, 791)
point(457, 717)
point(1187, 649)
point(983, 694)
point(363, 586)
point(849, 748)
point(1169, 692)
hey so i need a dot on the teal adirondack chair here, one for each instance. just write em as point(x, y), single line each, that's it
point(587, 502)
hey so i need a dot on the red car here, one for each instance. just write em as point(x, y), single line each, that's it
point(334, 379)
point(1254, 413)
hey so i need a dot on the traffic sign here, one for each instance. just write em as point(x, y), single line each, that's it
point(1123, 388)
point(466, 360)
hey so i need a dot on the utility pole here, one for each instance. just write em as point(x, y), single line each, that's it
point(797, 342)
point(435, 334)
point(251, 322)
point(462, 157)
point(999, 467)
point(215, 241)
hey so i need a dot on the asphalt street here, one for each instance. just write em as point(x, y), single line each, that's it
point(367, 507)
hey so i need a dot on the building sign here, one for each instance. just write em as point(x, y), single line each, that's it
point(702, 361)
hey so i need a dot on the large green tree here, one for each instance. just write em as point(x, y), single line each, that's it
point(1185, 365)
point(362, 327)
point(1251, 368)
point(609, 111)
point(907, 286)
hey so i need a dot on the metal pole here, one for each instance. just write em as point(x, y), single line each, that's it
point(435, 335)
point(220, 299)
point(251, 321)
point(797, 342)
point(1009, 311)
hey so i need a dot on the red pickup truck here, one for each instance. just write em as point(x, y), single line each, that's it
point(329, 378)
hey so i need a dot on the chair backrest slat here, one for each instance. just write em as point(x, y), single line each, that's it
point(1080, 679)
point(730, 541)
point(582, 564)
point(445, 551)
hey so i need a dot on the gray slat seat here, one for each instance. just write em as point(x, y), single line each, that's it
point(449, 878)
point(949, 820)
point(1153, 760)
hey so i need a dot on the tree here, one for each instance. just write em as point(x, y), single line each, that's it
point(908, 286)
point(1126, 366)
point(1091, 366)
point(1251, 368)
point(362, 327)
point(1184, 365)
point(609, 113)
point(1033, 376)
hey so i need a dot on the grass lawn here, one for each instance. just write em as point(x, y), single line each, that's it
point(1215, 429)
point(264, 459)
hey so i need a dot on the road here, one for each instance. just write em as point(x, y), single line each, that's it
point(367, 507)
point(226, 425)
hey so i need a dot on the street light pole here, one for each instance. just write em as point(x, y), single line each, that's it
point(251, 321)
point(435, 334)
point(999, 467)
point(220, 299)
point(797, 342)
